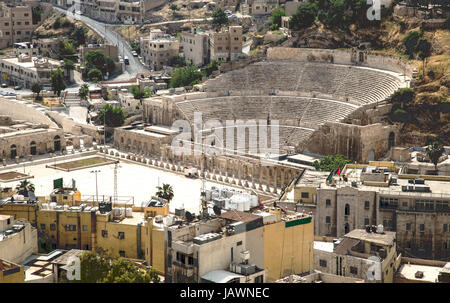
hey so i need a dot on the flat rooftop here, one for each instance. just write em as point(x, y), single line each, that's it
point(430, 273)
point(387, 238)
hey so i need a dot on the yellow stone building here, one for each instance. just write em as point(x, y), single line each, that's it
point(288, 244)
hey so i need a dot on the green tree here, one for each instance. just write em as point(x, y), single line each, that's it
point(185, 76)
point(402, 97)
point(410, 42)
point(165, 192)
point(400, 115)
point(330, 163)
point(66, 49)
point(140, 93)
point(97, 59)
point(305, 16)
point(423, 48)
point(113, 116)
point(95, 75)
point(57, 79)
point(212, 66)
point(334, 16)
point(24, 187)
point(79, 34)
point(36, 88)
point(124, 271)
point(276, 16)
point(101, 267)
point(219, 18)
point(434, 152)
point(83, 92)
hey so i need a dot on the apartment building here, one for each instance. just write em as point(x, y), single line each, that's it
point(370, 255)
point(239, 246)
point(195, 45)
point(158, 49)
point(226, 44)
point(18, 239)
point(417, 207)
point(109, 50)
point(114, 11)
point(26, 70)
point(16, 24)
point(259, 7)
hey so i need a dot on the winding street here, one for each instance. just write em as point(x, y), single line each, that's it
point(112, 37)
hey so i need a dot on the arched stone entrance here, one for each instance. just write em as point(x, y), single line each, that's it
point(391, 140)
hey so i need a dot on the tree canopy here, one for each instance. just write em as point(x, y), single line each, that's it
point(97, 59)
point(24, 187)
point(276, 16)
point(434, 152)
point(220, 18)
point(185, 76)
point(165, 192)
point(140, 93)
point(102, 267)
point(330, 163)
point(83, 92)
point(305, 16)
point(95, 75)
point(112, 115)
point(57, 80)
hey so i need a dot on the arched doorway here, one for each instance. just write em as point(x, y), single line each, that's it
point(371, 155)
point(57, 143)
point(33, 148)
point(391, 140)
point(346, 228)
point(13, 151)
point(347, 209)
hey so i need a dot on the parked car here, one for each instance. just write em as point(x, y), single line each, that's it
point(4, 85)
point(126, 60)
point(18, 87)
point(228, 12)
point(134, 53)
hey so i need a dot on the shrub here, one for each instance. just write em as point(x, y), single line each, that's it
point(95, 75)
point(400, 115)
point(410, 42)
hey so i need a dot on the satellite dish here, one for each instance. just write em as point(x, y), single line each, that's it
point(217, 210)
point(189, 216)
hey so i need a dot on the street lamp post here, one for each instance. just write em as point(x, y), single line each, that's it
point(96, 184)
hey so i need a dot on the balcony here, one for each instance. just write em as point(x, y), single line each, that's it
point(184, 247)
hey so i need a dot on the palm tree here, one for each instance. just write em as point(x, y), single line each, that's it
point(434, 152)
point(24, 187)
point(165, 192)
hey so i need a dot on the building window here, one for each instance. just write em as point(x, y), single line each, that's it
point(85, 228)
point(347, 209)
point(421, 244)
point(52, 226)
point(323, 263)
point(353, 270)
point(121, 235)
point(122, 253)
point(422, 228)
point(259, 279)
point(239, 243)
point(104, 233)
point(366, 221)
point(42, 226)
point(327, 202)
point(366, 204)
point(328, 219)
point(72, 228)
point(305, 195)
point(444, 227)
point(408, 226)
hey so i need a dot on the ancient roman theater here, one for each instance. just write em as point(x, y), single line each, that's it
point(324, 101)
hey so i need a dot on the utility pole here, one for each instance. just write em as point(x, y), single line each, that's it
point(96, 184)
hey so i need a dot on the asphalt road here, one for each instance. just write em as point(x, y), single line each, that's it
point(112, 37)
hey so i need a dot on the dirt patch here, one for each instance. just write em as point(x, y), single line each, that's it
point(83, 163)
point(13, 176)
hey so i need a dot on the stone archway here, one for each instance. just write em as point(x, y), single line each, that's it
point(13, 151)
point(57, 143)
point(391, 140)
point(371, 155)
point(33, 150)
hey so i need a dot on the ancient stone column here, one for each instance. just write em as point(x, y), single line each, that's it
point(260, 177)
point(275, 180)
